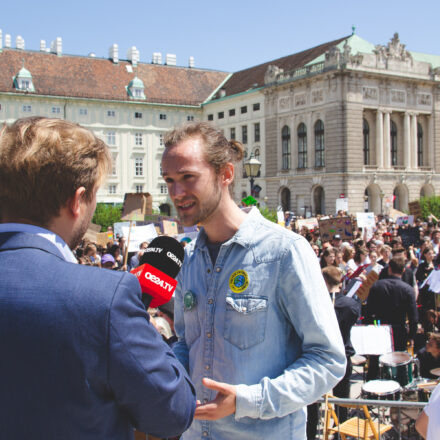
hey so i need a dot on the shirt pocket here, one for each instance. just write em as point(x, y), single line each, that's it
point(192, 326)
point(245, 320)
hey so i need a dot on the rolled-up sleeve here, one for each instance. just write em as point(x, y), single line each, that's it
point(305, 302)
point(148, 382)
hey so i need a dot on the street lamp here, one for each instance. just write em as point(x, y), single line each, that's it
point(252, 167)
point(382, 194)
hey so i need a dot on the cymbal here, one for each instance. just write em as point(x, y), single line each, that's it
point(435, 371)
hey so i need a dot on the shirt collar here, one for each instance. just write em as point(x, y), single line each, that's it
point(245, 234)
point(42, 232)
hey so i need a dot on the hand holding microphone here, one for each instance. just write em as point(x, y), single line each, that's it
point(159, 266)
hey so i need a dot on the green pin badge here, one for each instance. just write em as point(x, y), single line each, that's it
point(189, 300)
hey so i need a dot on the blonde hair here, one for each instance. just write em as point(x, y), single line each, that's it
point(43, 162)
point(218, 150)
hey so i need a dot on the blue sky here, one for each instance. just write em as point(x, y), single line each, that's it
point(228, 35)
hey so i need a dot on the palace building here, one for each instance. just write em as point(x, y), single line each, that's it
point(345, 117)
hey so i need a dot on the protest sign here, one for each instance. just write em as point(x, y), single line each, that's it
point(410, 236)
point(405, 220)
point(309, 223)
point(136, 206)
point(117, 228)
point(365, 220)
point(169, 227)
point(339, 225)
point(102, 239)
point(342, 204)
point(92, 232)
point(138, 234)
point(415, 209)
point(394, 214)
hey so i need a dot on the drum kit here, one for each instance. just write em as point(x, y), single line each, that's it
point(400, 380)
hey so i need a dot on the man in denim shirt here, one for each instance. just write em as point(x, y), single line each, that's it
point(256, 327)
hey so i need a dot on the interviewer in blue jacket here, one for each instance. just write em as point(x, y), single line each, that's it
point(79, 358)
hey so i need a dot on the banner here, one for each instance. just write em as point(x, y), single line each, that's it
point(340, 225)
point(117, 228)
point(342, 204)
point(139, 234)
point(310, 223)
point(365, 220)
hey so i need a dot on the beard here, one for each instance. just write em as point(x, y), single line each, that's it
point(78, 233)
point(206, 208)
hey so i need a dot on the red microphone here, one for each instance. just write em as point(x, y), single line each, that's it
point(156, 285)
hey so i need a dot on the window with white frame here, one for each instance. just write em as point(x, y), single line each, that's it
point(112, 189)
point(137, 115)
point(111, 138)
point(190, 118)
point(83, 111)
point(111, 113)
point(27, 108)
point(139, 188)
point(139, 166)
point(138, 138)
point(163, 189)
point(161, 140)
point(162, 116)
point(56, 110)
point(114, 164)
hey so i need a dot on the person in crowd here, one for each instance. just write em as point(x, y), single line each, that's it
point(429, 356)
point(347, 256)
point(374, 265)
point(360, 257)
point(81, 360)
point(134, 260)
point(391, 301)
point(385, 255)
point(435, 241)
point(316, 250)
point(337, 241)
point(91, 252)
point(108, 262)
point(115, 251)
point(428, 421)
point(426, 265)
point(328, 258)
point(248, 290)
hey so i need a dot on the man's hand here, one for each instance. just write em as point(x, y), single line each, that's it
point(222, 406)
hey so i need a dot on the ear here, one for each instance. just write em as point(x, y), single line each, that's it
point(227, 174)
point(75, 202)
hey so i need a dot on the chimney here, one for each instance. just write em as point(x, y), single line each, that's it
point(57, 46)
point(191, 62)
point(157, 58)
point(92, 55)
point(8, 40)
point(42, 45)
point(19, 42)
point(171, 59)
point(133, 55)
point(113, 53)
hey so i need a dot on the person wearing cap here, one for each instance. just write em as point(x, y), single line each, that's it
point(108, 261)
point(337, 241)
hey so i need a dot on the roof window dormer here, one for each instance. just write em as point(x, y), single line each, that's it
point(136, 88)
point(23, 81)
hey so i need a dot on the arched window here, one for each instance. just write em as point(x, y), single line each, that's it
point(257, 154)
point(393, 135)
point(319, 144)
point(302, 146)
point(366, 133)
point(285, 145)
point(419, 145)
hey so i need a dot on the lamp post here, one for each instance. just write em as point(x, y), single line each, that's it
point(252, 167)
point(382, 194)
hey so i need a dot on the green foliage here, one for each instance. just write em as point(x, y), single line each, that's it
point(106, 214)
point(268, 214)
point(430, 205)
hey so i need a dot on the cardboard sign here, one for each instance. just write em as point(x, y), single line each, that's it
point(395, 214)
point(138, 234)
point(365, 220)
point(169, 228)
point(102, 239)
point(158, 220)
point(415, 209)
point(342, 204)
point(364, 289)
point(405, 220)
point(410, 236)
point(333, 226)
point(309, 223)
point(136, 206)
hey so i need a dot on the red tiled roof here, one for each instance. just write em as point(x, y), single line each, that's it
point(86, 77)
point(254, 76)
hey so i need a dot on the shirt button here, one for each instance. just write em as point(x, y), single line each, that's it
point(208, 335)
point(210, 301)
point(218, 269)
point(209, 271)
point(244, 309)
point(205, 433)
point(207, 367)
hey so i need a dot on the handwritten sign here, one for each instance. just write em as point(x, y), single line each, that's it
point(405, 220)
point(336, 226)
point(365, 219)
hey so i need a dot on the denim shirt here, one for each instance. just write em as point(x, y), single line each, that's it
point(273, 332)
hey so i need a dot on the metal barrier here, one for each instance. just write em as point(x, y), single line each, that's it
point(400, 414)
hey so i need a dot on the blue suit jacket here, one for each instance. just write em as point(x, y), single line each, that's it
point(79, 358)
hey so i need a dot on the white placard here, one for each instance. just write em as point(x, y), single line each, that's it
point(342, 204)
point(372, 339)
point(117, 228)
point(365, 219)
point(405, 220)
point(139, 234)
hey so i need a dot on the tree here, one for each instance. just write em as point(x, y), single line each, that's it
point(430, 205)
point(269, 215)
point(106, 214)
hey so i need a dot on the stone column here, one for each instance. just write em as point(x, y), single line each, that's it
point(406, 141)
point(379, 139)
point(430, 157)
point(414, 140)
point(386, 140)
